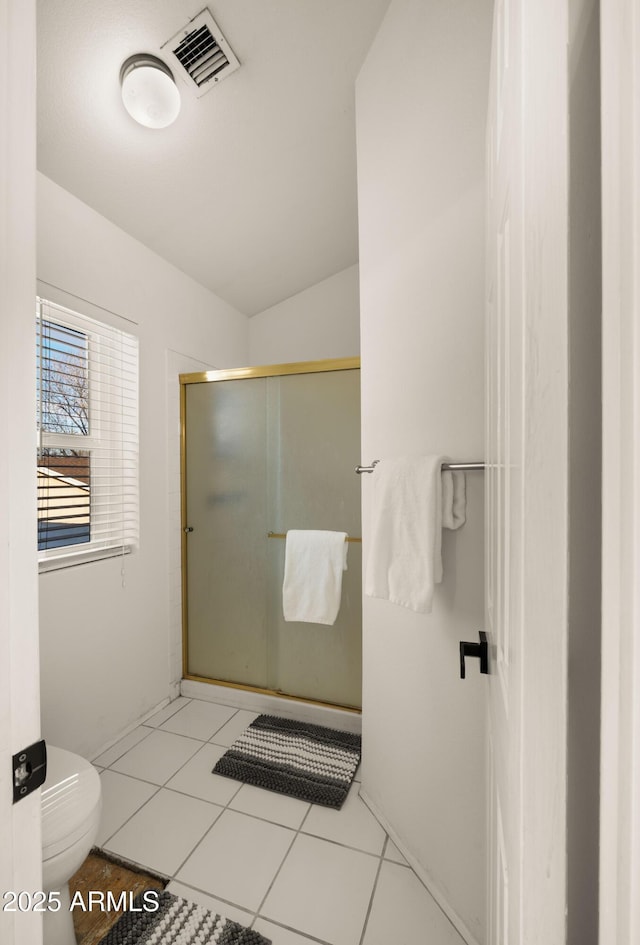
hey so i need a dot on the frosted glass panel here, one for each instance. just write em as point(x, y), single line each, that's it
point(318, 450)
point(271, 454)
point(226, 486)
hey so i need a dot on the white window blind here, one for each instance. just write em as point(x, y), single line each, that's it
point(87, 420)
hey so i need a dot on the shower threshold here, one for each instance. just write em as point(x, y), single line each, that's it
point(268, 701)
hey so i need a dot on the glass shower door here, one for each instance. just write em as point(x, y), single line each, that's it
point(226, 488)
point(314, 486)
point(263, 455)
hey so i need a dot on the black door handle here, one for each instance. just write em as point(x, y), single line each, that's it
point(479, 650)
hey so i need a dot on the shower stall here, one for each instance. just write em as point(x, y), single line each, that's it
point(264, 450)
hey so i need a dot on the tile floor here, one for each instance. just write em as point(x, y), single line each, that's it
point(298, 873)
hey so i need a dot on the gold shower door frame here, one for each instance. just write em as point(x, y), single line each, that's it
point(206, 377)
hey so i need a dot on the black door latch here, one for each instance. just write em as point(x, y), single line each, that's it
point(478, 650)
point(29, 770)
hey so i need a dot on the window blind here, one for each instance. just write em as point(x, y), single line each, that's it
point(87, 422)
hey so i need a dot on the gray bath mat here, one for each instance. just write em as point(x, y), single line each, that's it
point(177, 920)
point(310, 762)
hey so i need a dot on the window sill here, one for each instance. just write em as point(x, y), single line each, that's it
point(73, 559)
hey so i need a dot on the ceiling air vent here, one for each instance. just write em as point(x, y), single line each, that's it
point(201, 53)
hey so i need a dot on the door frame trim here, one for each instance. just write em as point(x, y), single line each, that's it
point(20, 823)
point(271, 370)
point(620, 718)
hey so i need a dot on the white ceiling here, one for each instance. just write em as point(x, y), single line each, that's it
point(252, 191)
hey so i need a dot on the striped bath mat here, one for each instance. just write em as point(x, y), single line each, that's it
point(310, 762)
point(164, 919)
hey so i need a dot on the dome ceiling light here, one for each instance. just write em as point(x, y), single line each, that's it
point(149, 92)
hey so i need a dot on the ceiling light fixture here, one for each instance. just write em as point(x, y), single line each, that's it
point(149, 91)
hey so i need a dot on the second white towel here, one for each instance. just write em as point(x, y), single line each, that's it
point(454, 499)
point(313, 566)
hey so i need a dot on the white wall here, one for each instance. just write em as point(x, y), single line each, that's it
point(421, 106)
point(321, 322)
point(107, 652)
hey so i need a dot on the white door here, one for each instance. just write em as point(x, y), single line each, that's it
point(620, 732)
point(526, 481)
point(20, 849)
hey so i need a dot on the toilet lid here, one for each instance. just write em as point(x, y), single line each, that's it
point(70, 800)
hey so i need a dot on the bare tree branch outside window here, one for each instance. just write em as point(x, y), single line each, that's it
point(66, 403)
point(64, 380)
point(64, 472)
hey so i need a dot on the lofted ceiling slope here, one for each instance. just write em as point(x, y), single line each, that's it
point(252, 192)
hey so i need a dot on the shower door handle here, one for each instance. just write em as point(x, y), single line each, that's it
point(478, 650)
point(187, 529)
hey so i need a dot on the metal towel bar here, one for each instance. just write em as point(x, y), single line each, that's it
point(465, 467)
point(283, 535)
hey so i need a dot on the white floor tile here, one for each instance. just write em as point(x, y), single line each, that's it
point(226, 909)
point(196, 777)
point(354, 824)
point(317, 890)
point(393, 853)
point(163, 833)
point(323, 890)
point(269, 805)
point(158, 757)
point(156, 720)
point(234, 727)
point(237, 859)
point(280, 936)
point(121, 797)
point(404, 913)
point(199, 719)
point(123, 745)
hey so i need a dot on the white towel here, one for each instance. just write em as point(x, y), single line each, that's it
point(313, 566)
point(405, 556)
point(454, 499)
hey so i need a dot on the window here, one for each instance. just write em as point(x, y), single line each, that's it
point(87, 419)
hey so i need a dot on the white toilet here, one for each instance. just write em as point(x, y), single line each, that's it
point(71, 807)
